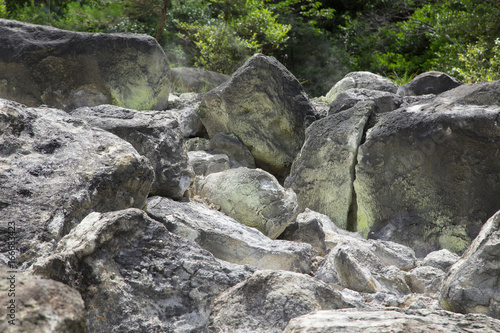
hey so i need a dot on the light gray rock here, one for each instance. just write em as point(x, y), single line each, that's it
point(266, 108)
point(252, 197)
point(67, 69)
point(442, 259)
point(361, 80)
point(228, 239)
point(155, 135)
point(136, 276)
point(32, 304)
point(384, 101)
point(472, 284)
point(54, 170)
point(429, 83)
point(188, 79)
point(425, 279)
point(323, 173)
point(391, 320)
point(185, 108)
point(307, 229)
point(205, 163)
point(427, 175)
point(473, 94)
point(230, 145)
point(368, 266)
point(268, 300)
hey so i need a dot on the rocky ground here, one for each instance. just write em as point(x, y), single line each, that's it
point(244, 206)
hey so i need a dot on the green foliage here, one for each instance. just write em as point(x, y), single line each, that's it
point(242, 28)
point(480, 63)
point(3, 9)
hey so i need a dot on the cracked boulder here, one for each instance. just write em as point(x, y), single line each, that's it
point(267, 301)
point(54, 170)
point(428, 174)
point(33, 304)
point(472, 284)
point(323, 173)
point(228, 239)
point(136, 276)
point(67, 69)
point(384, 101)
point(155, 135)
point(265, 107)
point(252, 197)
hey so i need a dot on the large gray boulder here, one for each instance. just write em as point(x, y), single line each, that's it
point(472, 284)
point(323, 173)
point(66, 69)
point(361, 80)
point(427, 175)
point(266, 302)
point(266, 108)
point(228, 239)
point(54, 170)
point(155, 135)
point(189, 79)
point(429, 83)
point(32, 304)
point(391, 320)
point(252, 197)
point(136, 276)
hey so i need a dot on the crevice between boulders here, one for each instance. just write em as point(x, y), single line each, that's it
point(352, 215)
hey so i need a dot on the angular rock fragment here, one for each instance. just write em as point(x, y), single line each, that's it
point(32, 304)
point(205, 163)
point(252, 197)
point(266, 108)
point(268, 300)
point(429, 83)
point(54, 170)
point(135, 276)
point(228, 239)
point(391, 320)
point(472, 284)
point(155, 135)
point(67, 69)
point(323, 173)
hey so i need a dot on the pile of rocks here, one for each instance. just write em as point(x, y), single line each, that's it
point(249, 208)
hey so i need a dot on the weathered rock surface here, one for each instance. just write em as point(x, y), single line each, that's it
point(391, 320)
point(228, 239)
point(427, 175)
point(307, 229)
point(230, 145)
point(33, 304)
point(442, 259)
point(367, 266)
point(268, 300)
point(188, 79)
point(54, 170)
point(484, 94)
point(155, 135)
point(361, 80)
point(384, 101)
point(425, 279)
point(65, 69)
point(429, 83)
point(135, 276)
point(252, 197)
point(185, 108)
point(323, 173)
point(266, 108)
point(472, 284)
point(205, 163)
